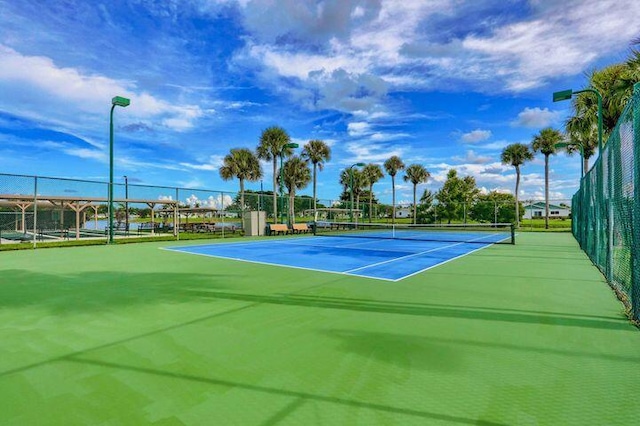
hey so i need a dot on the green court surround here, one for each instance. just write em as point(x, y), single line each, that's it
point(529, 334)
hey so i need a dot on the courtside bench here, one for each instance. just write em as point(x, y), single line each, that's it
point(278, 228)
point(300, 228)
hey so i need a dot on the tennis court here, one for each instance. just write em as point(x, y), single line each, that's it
point(132, 335)
point(375, 251)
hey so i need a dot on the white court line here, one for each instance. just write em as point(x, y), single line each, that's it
point(348, 272)
point(280, 265)
point(439, 264)
point(417, 254)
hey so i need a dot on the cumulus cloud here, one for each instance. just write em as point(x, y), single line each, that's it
point(403, 43)
point(536, 117)
point(473, 158)
point(370, 152)
point(43, 86)
point(476, 136)
point(213, 163)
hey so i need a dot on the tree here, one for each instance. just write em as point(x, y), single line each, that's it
point(372, 173)
point(241, 163)
point(426, 212)
point(494, 207)
point(416, 174)
point(516, 155)
point(545, 142)
point(352, 181)
point(455, 192)
point(296, 175)
point(583, 138)
point(316, 152)
point(392, 166)
point(273, 141)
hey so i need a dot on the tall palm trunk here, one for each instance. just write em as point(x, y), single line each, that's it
point(292, 196)
point(517, 202)
point(414, 204)
point(275, 197)
point(546, 192)
point(370, 201)
point(585, 163)
point(242, 195)
point(315, 208)
point(393, 198)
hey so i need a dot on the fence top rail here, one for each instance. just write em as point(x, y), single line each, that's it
point(30, 197)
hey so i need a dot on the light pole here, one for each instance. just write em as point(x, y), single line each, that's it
point(122, 102)
point(563, 96)
point(284, 149)
point(126, 204)
point(351, 188)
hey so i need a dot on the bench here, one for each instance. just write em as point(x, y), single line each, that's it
point(300, 228)
point(278, 228)
point(147, 227)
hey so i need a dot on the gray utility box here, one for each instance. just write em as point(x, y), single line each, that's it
point(254, 223)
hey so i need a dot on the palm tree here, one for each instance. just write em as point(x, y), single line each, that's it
point(243, 164)
point(273, 141)
point(392, 166)
point(352, 181)
point(316, 152)
point(296, 175)
point(416, 174)
point(582, 134)
point(545, 142)
point(516, 155)
point(372, 173)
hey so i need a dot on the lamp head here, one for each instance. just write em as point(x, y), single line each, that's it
point(563, 95)
point(120, 101)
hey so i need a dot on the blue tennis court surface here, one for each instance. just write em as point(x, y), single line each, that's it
point(384, 259)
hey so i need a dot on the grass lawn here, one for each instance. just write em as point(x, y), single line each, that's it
point(132, 335)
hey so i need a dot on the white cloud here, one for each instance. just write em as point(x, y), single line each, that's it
point(44, 88)
point(472, 157)
point(398, 43)
point(536, 117)
point(214, 162)
point(370, 152)
point(476, 136)
point(358, 128)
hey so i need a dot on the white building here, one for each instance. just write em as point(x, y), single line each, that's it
point(537, 210)
point(403, 212)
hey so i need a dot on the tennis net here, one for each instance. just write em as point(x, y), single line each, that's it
point(483, 233)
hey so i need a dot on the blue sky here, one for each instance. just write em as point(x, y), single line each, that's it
point(444, 83)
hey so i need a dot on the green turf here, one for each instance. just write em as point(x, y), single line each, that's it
point(132, 335)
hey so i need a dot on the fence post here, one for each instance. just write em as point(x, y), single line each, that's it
point(635, 226)
point(176, 217)
point(610, 181)
point(35, 210)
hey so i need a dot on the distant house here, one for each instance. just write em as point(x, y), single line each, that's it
point(536, 210)
point(403, 212)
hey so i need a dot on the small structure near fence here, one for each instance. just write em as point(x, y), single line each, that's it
point(537, 210)
point(30, 203)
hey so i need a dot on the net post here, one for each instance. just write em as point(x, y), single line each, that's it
point(513, 233)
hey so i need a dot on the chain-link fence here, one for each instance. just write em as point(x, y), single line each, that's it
point(607, 208)
point(37, 209)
